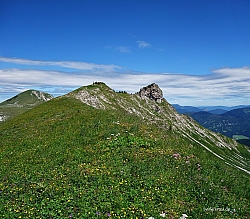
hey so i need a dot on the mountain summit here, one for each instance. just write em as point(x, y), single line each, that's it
point(27, 98)
point(22, 102)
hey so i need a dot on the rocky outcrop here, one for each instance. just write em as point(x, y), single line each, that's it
point(152, 92)
point(41, 95)
point(3, 117)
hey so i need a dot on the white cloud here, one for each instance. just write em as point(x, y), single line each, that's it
point(143, 44)
point(225, 86)
point(65, 64)
point(121, 49)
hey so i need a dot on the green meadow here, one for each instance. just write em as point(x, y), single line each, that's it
point(65, 159)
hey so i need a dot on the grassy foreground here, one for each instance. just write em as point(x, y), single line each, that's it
point(64, 159)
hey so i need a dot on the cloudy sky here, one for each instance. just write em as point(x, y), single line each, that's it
point(197, 51)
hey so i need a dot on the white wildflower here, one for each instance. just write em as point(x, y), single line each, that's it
point(183, 216)
point(163, 214)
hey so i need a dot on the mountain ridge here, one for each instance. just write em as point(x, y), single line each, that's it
point(159, 112)
point(95, 152)
point(212, 109)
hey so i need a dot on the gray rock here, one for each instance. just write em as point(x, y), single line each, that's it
point(152, 92)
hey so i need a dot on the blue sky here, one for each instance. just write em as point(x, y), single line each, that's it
point(198, 51)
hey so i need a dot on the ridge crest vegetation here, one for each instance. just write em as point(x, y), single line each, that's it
point(97, 153)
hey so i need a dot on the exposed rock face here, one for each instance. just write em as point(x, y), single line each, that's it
point(152, 92)
point(90, 98)
point(41, 95)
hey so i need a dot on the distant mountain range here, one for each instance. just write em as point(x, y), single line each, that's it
point(212, 109)
point(233, 122)
point(21, 103)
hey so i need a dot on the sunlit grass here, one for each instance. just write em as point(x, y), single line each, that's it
point(64, 159)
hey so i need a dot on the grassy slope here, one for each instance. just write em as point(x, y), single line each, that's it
point(66, 159)
point(21, 103)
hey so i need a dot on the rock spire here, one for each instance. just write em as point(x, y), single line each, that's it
point(152, 92)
